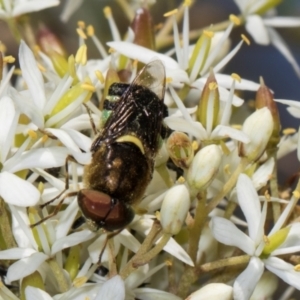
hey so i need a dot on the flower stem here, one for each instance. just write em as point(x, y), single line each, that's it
point(229, 184)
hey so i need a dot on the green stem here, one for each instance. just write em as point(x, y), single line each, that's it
point(228, 185)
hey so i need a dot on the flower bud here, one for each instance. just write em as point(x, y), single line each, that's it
point(213, 291)
point(264, 98)
point(258, 126)
point(204, 167)
point(209, 104)
point(180, 149)
point(174, 209)
point(142, 26)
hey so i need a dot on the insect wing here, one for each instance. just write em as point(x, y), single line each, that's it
point(152, 76)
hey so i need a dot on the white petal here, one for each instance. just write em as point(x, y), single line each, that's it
point(112, 289)
point(295, 112)
point(213, 291)
point(255, 26)
point(71, 240)
point(69, 8)
point(16, 253)
point(282, 22)
point(194, 128)
point(227, 233)
point(283, 48)
point(32, 75)
point(245, 283)
point(38, 158)
point(154, 294)
point(25, 266)
point(8, 123)
point(226, 131)
point(24, 7)
point(292, 103)
point(28, 108)
point(225, 81)
point(263, 174)
point(250, 204)
point(283, 270)
point(128, 240)
point(81, 140)
point(33, 293)
point(177, 251)
point(17, 191)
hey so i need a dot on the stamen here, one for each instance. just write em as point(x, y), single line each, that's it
point(81, 33)
point(297, 268)
point(227, 169)
point(81, 55)
point(32, 134)
point(9, 59)
point(112, 24)
point(170, 13)
point(90, 30)
point(78, 282)
point(234, 19)
point(236, 77)
point(88, 87)
point(71, 66)
point(45, 138)
point(81, 24)
point(288, 131)
point(181, 179)
point(195, 145)
point(41, 68)
point(100, 76)
point(212, 86)
point(245, 39)
point(296, 194)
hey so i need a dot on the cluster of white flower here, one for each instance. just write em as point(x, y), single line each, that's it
point(184, 228)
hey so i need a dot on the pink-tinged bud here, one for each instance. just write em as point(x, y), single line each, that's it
point(264, 98)
point(209, 104)
point(142, 26)
point(258, 127)
point(49, 42)
point(204, 168)
point(180, 149)
point(174, 209)
point(213, 291)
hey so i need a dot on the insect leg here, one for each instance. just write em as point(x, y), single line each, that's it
point(91, 119)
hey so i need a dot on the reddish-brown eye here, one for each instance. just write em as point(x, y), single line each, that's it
point(104, 211)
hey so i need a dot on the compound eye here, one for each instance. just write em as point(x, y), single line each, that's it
point(103, 211)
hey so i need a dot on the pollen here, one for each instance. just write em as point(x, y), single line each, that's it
point(90, 30)
point(236, 20)
point(157, 215)
point(41, 187)
point(100, 76)
point(245, 39)
point(45, 138)
point(296, 194)
point(81, 33)
point(171, 13)
point(169, 80)
point(81, 55)
point(267, 196)
point(227, 169)
point(88, 87)
point(107, 12)
point(181, 179)
point(32, 134)
point(78, 282)
point(297, 268)
point(9, 59)
point(81, 24)
point(17, 72)
point(3, 48)
point(195, 145)
point(266, 240)
point(208, 33)
point(187, 3)
point(236, 77)
point(111, 50)
point(212, 86)
point(168, 263)
point(41, 68)
point(288, 131)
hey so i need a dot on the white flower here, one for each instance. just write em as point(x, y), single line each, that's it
point(14, 8)
point(254, 244)
point(262, 29)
